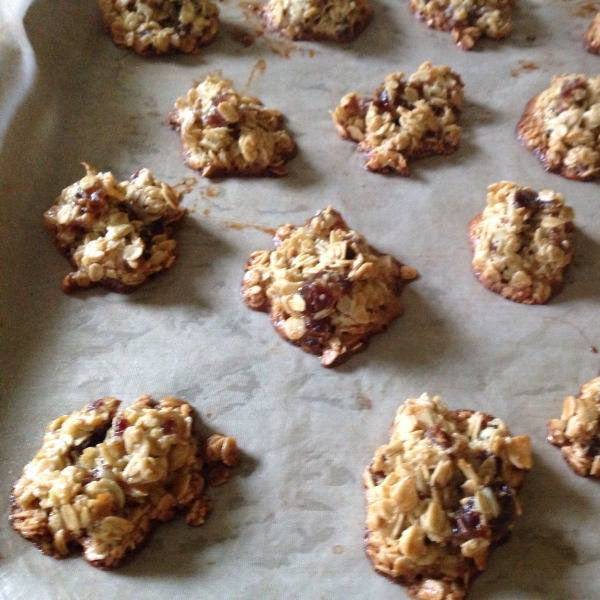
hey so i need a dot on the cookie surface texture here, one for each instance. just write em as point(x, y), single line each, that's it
point(161, 26)
point(325, 289)
point(334, 20)
point(522, 242)
point(117, 235)
point(226, 133)
point(576, 432)
point(440, 495)
point(404, 118)
point(561, 125)
point(104, 478)
point(591, 38)
point(467, 20)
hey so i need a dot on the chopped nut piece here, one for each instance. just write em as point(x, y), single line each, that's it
point(591, 38)
point(404, 119)
point(522, 242)
point(225, 133)
point(102, 480)
point(161, 26)
point(326, 290)
point(438, 541)
point(115, 234)
point(335, 20)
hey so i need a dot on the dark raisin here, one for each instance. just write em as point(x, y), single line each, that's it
point(526, 198)
point(169, 427)
point(594, 448)
point(95, 405)
point(570, 86)
point(214, 119)
point(120, 426)
point(322, 291)
point(438, 436)
point(350, 253)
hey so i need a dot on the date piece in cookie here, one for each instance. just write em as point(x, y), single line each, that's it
point(225, 133)
point(467, 20)
point(576, 433)
point(404, 119)
point(115, 234)
point(335, 20)
point(591, 38)
point(103, 479)
point(440, 495)
point(161, 26)
point(325, 289)
point(562, 126)
point(522, 242)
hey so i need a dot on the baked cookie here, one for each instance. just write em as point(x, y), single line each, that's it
point(522, 242)
point(467, 20)
point(161, 26)
point(440, 495)
point(103, 479)
point(314, 20)
point(576, 432)
point(115, 234)
point(225, 133)
point(404, 119)
point(325, 289)
point(591, 38)
point(562, 126)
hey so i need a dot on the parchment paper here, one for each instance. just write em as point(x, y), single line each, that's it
point(290, 522)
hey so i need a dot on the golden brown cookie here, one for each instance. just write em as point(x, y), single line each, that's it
point(440, 495)
point(522, 242)
point(404, 119)
point(591, 38)
point(325, 289)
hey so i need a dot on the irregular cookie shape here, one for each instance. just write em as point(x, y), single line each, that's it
point(404, 119)
point(326, 290)
point(102, 480)
point(562, 126)
point(440, 495)
point(576, 432)
point(161, 26)
point(335, 20)
point(115, 234)
point(225, 133)
point(591, 38)
point(468, 20)
point(522, 242)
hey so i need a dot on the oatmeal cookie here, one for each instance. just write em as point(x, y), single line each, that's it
point(325, 289)
point(314, 20)
point(591, 38)
point(115, 234)
point(562, 126)
point(161, 26)
point(225, 133)
point(522, 242)
point(404, 119)
point(576, 432)
point(440, 495)
point(103, 479)
point(467, 20)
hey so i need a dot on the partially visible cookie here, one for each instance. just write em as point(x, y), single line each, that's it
point(468, 20)
point(440, 495)
point(326, 290)
point(591, 38)
point(404, 119)
point(576, 433)
point(117, 235)
point(334, 20)
point(562, 126)
point(226, 133)
point(103, 479)
point(522, 242)
point(161, 26)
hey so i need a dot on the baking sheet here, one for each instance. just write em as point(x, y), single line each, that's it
point(290, 522)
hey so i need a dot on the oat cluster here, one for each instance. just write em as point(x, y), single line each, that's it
point(467, 20)
point(161, 26)
point(115, 234)
point(576, 433)
point(335, 20)
point(103, 479)
point(440, 495)
point(562, 126)
point(522, 242)
point(591, 38)
point(404, 119)
point(226, 133)
point(326, 290)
